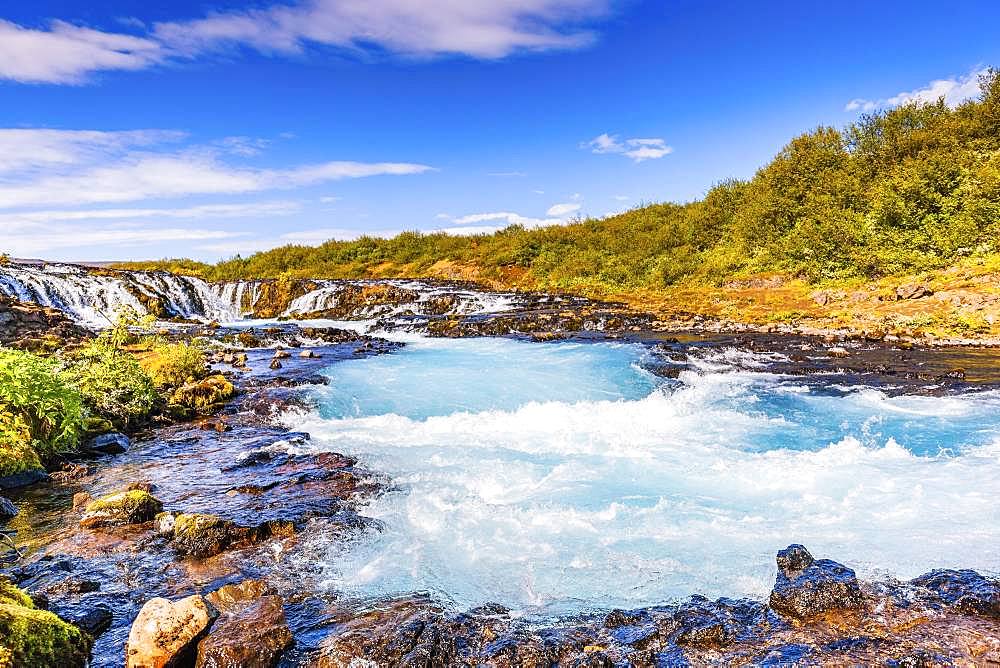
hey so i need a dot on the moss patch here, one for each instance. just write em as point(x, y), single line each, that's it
point(16, 452)
point(131, 507)
point(203, 394)
point(37, 638)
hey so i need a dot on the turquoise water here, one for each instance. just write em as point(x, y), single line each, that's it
point(563, 477)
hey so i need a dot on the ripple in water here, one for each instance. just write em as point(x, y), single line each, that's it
point(563, 477)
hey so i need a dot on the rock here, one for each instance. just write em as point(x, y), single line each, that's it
point(966, 590)
point(81, 499)
point(163, 523)
point(23, 478)
point(94, 621)
point(913, 291)
point(275, 364)
point(33, 637)
point(281, 354)
point(7, 509)
point(166, 633)
point(204, 536)
point(240, 360)
point(806, 587)
point(838, 352)
point(232, 597)
point(69, 472)
point(308, 354)
point(109, 444)
point(130, 507)
point(253, 635)
point(203, 394)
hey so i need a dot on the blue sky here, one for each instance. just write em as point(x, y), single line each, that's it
point(203, 129)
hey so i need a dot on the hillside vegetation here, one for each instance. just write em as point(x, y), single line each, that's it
point(901, 191)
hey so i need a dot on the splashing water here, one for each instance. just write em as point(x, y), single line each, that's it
point(563, 477)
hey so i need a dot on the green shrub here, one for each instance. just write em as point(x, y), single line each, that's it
point(173, 364)
point(38, 404)
point(113, 383)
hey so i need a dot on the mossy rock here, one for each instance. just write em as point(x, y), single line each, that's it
point(18, 457)
point(203, 394)
point(37, 638)
point(11, 595)
point(203, 535)
point(131, 507)
point(95, 426)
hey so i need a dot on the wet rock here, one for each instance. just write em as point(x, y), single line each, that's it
point(255, 634)
point(23, 478)
point(308, 354)
point(94, 621)
point(281, 354)
point(203, 536)
point(130, 507)
point(166, 633)
point(275, 364)
point(7, 509)
point(233, 597)
point(838, 352)
point(806, 587)
point(164, 522)
point(966, 590)
point(70, 472)
point(109, 444)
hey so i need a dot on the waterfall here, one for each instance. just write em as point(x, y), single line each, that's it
point(91, 297)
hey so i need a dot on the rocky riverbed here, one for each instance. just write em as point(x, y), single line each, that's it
point(191, 543)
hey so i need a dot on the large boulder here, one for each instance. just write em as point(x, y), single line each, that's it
point(255, 634)
point(130, 507)
point(166, 633)
point(37, 638)
point(203, 394)
point(806, 587)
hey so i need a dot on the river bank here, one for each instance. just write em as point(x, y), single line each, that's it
point(274, 500)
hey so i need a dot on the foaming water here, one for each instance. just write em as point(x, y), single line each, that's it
point(564, 477)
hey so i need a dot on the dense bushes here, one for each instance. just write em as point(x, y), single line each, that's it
point(173, 364)
point(112, 382)
point(903, 190)
point(38, 407)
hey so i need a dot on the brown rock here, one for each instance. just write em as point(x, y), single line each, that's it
point(165, 634)
point(253, 636)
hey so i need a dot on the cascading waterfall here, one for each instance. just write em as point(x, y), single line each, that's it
point(92, 298)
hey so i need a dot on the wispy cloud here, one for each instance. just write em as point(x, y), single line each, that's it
point(93, 242)
point(954, 90)
point(67, 54)
point(636, 148)
point(81, 168)
point(64, 53)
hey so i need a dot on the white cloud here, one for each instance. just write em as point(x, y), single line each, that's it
point(477, 28)
point(561, 210)
point(637, 148)
point(79, 168)
point(24, 149)
point(508, 217)
point(64, 53)
point(29, 219)
point(45, 239)
point(622, 198)
point(67, 53)
point(955, 91)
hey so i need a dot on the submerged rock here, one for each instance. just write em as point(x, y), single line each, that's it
point(130, 507)
point(166, 633)
point(806, 587)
